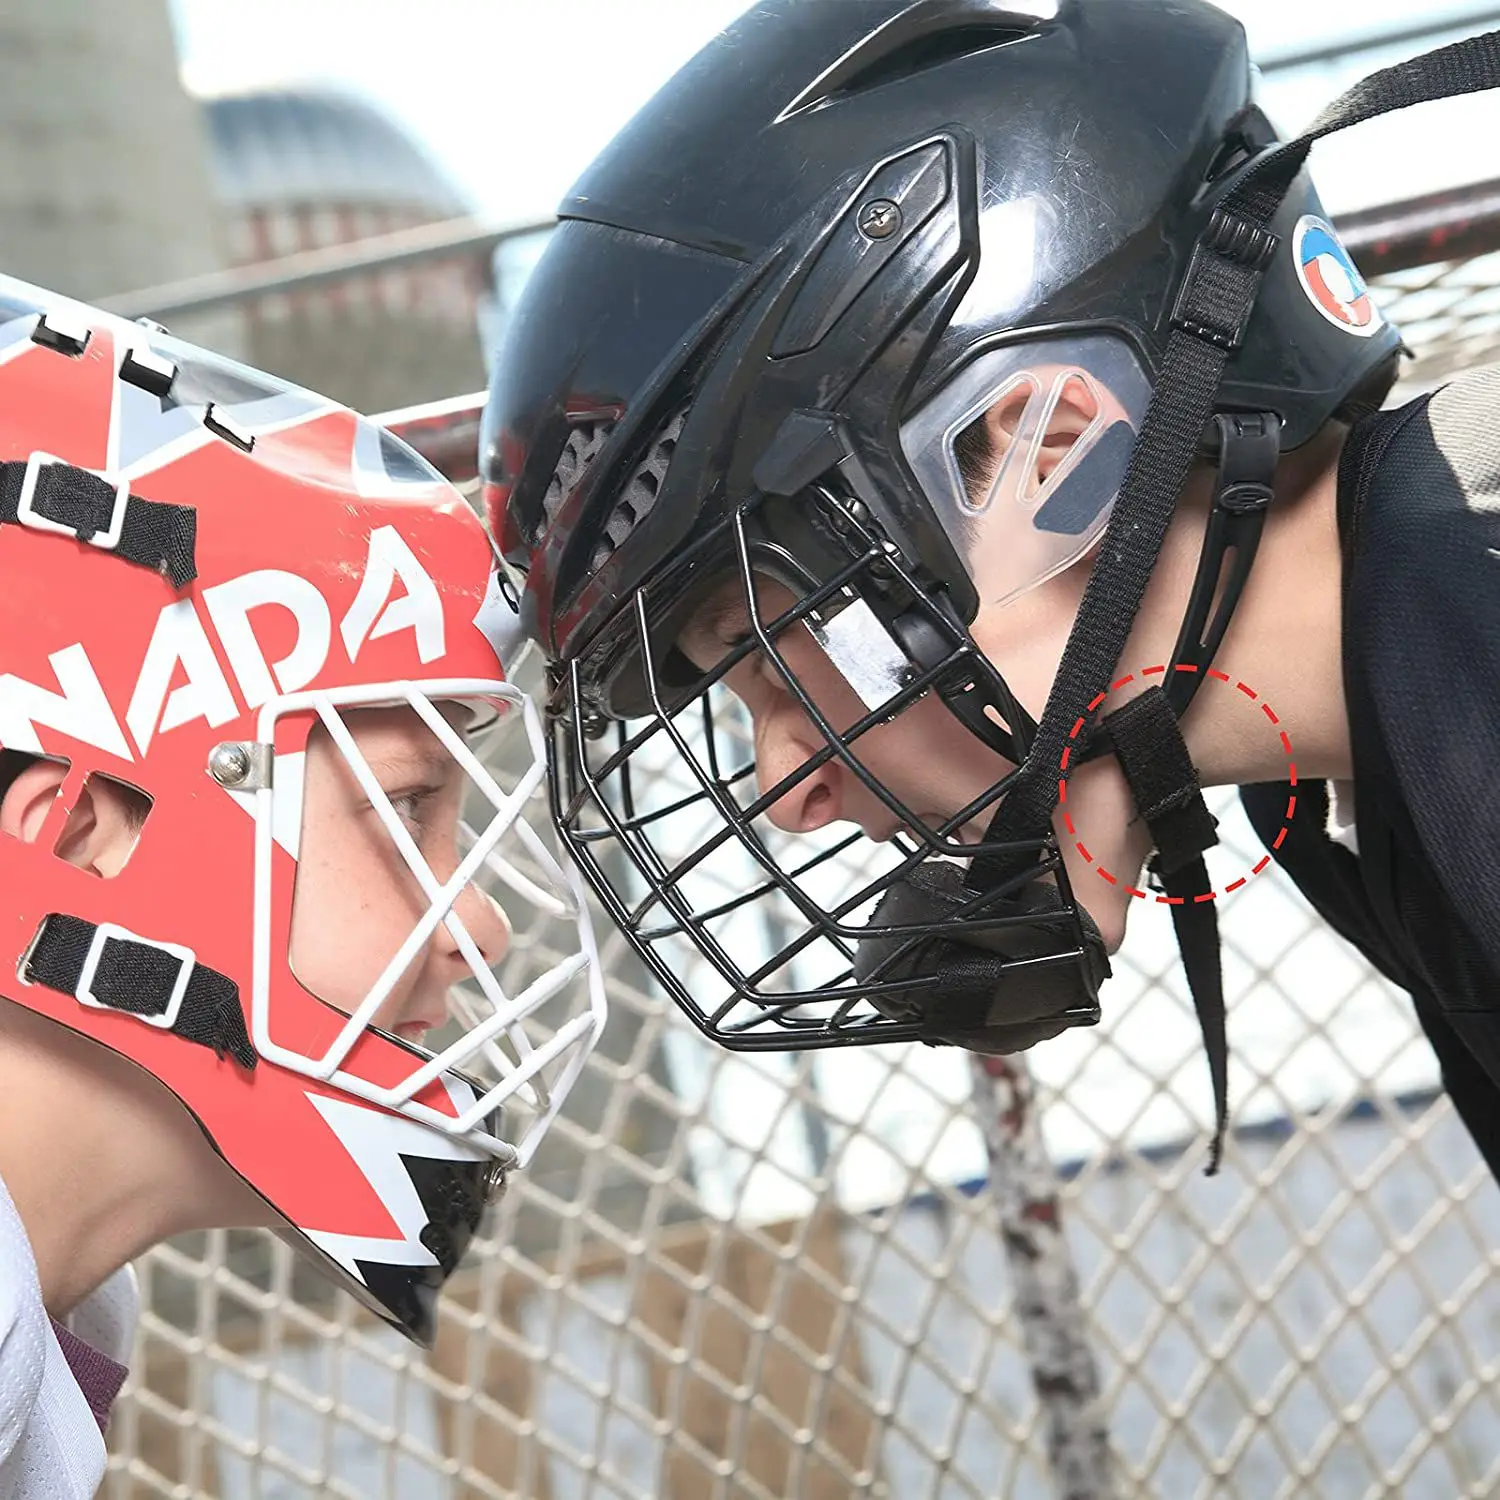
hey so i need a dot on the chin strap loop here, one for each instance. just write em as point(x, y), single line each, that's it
point(1148, 744)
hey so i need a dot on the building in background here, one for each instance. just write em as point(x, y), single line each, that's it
point(304, 169)
point(114, 178)
point(105, 182)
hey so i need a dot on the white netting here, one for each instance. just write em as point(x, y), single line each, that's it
point(787, 1277)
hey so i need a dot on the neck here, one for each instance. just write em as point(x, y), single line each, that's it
point(101, 1161)
point(1284, 643)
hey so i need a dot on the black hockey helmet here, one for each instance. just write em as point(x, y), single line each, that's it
point(770, 311)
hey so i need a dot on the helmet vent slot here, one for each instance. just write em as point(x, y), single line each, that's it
point(583, 445)
point(639, 495)
point(926, 36)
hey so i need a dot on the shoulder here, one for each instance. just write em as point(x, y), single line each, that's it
point(1420, 503)
point(1428, 471)
point(1420, 509)
point(23, 1329)
point(1419, 498)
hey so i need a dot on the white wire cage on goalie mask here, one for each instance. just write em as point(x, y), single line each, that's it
point(505, 1037)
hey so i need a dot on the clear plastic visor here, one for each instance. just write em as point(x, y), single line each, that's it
point(1023, 453)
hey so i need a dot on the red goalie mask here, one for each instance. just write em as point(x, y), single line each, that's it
point(266, 644)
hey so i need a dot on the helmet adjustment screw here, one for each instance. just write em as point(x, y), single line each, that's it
point(879, 219)
point(240, 767)
point(229, 765)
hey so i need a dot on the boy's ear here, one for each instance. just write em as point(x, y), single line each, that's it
point(100, 833)
point(1076, 411)
point(29, 797)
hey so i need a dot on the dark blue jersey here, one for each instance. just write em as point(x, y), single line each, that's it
point(1419, 522)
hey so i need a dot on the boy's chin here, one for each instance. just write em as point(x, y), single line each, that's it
point(1111, 923)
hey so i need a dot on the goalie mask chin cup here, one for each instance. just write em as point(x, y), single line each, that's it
point(999, 984)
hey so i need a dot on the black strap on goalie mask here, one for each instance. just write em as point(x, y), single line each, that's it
point(1209, 319)
point(162, 985)
point(61, 497)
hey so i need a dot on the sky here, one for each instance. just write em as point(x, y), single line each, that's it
point(514, 97)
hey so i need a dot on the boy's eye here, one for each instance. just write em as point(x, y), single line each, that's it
point(413, 807)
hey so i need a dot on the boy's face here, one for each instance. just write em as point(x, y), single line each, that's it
point(920, 755)
point(356, 901)
point(925, 757)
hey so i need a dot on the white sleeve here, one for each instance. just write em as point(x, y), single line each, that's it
point(50, 1445)
point(106, 1319)
point(23, 1343)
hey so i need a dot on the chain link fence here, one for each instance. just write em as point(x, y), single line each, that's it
point(879, 1273)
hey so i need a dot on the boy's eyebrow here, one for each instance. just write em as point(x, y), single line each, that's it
point(404, 762)
point(724, 615)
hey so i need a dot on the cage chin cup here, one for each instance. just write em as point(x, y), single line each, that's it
point(995, 990)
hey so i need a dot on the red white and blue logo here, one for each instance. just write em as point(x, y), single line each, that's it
point(1331, 280)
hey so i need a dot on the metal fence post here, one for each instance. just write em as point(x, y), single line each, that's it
point(1054, 1328)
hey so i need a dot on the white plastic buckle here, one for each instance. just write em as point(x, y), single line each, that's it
point(26, 512)
point(102, 933)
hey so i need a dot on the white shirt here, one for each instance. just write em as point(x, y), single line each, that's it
point(50, 1444)
point(1340, 826)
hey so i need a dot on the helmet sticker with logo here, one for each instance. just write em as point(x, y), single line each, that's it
point(1331, 279)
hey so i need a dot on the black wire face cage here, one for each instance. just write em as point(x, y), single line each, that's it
point(765, 939)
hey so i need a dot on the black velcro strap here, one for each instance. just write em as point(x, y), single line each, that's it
point(1148, 743)
point(155, 535)
point(138, 978)
point(1196, 923)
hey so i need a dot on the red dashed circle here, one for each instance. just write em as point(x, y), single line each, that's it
point(1104, 874)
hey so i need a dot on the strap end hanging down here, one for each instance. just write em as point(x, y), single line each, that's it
point(1147, 741)
point(1196, 924)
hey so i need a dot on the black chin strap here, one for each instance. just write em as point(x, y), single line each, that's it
point(1147, 741)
